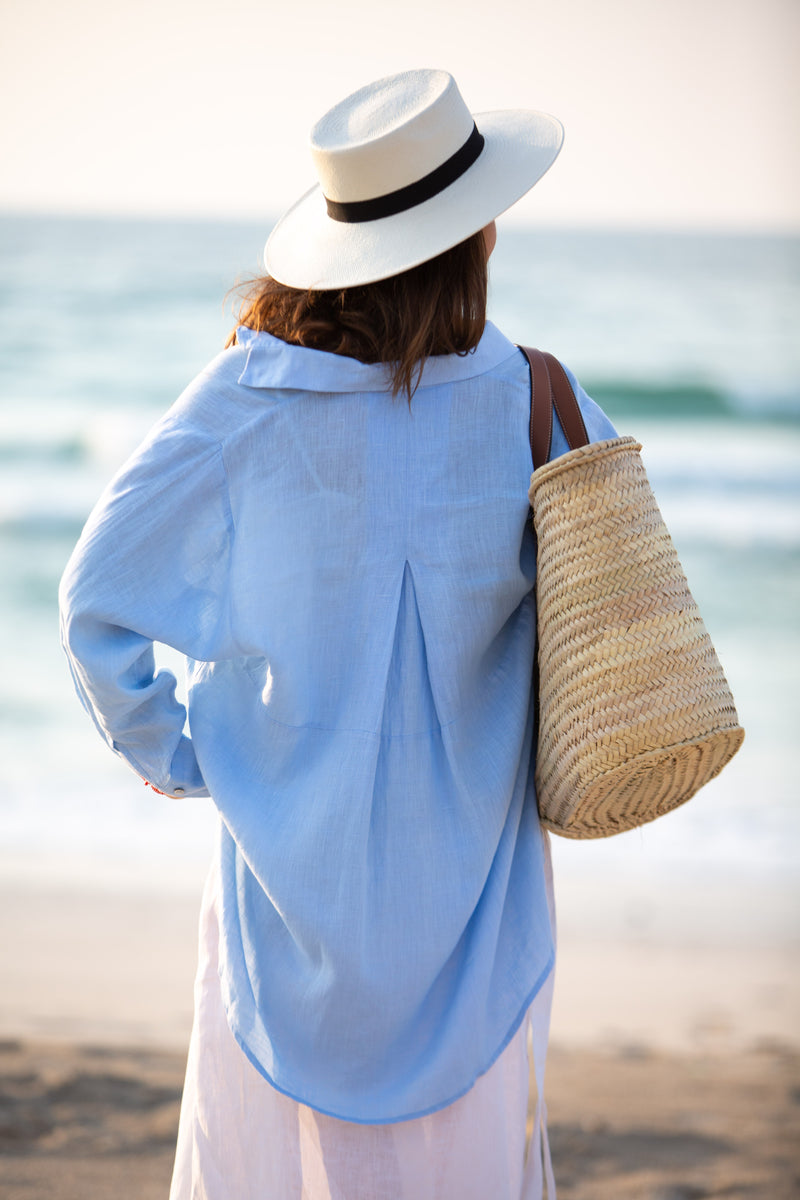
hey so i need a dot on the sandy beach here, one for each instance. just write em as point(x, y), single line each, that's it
point(674, 1072)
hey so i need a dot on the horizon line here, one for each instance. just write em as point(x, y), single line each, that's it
point(527, 224)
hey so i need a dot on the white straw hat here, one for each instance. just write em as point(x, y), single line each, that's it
point(405, 172)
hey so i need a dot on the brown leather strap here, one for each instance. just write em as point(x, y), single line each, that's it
point(541, 429)
point(566, 406)
point(550, 388)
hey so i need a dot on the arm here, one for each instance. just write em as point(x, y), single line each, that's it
point(151, 566)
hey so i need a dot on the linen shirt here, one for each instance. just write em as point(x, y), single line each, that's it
point(350, 579)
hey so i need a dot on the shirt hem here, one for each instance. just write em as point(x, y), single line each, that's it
point(408, 1116)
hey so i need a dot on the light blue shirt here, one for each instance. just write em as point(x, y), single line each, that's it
point(350, 580)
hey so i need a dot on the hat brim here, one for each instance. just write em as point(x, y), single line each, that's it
point(308, 249)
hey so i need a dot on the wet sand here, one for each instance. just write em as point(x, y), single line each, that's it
point(78, 1123)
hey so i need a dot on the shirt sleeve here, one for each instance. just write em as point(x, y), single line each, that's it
point(598, 426)
point(152, 565)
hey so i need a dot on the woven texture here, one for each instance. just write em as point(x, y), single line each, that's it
point(635, 713)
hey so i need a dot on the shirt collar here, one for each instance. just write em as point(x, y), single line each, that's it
point(275, 364)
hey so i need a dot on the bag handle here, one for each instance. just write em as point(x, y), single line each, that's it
point(551, 389)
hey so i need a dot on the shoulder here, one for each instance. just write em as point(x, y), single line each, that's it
point(190, 435)
point(212, 402)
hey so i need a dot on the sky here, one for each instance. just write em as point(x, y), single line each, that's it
point(678, 114)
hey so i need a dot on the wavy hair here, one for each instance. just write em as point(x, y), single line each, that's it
point(438, 307)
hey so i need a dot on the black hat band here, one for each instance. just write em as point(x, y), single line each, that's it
point(355, 211)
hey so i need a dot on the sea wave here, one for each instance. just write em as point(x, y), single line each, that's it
point(687, 401)
point(72, 436)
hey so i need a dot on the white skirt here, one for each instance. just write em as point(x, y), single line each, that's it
point(241, 1139)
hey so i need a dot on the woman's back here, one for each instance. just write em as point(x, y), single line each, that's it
point(389, 684)
point(362, 633)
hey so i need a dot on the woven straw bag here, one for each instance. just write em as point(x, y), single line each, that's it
point(635, 714)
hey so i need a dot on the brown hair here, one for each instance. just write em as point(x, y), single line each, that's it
point(438, 307)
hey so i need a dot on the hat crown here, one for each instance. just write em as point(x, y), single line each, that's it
point(389, 134)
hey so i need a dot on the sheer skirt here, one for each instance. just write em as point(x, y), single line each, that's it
point(241, 1139)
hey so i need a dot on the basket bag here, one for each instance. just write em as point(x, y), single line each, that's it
point(635, 714)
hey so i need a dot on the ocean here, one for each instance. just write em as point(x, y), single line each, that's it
point(689, 341)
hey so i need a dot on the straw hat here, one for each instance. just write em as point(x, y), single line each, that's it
point(405, 172)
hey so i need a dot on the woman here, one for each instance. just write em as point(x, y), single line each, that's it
point(331, 525)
